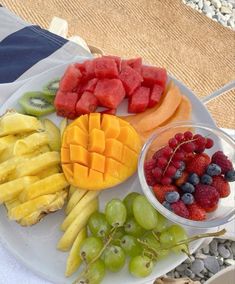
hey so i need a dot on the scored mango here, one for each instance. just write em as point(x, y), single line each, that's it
point(99, 151)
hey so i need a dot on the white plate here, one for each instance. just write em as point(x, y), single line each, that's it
point(36, 246)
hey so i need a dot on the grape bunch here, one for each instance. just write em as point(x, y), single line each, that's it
point(129, 230)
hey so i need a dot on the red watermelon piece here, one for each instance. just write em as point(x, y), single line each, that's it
point(130, 79)
point(155, 95)
point(105, 68)
point(154, 75)
point(109, 111)
point(65, 104)
point(117, 59)
point(139, 101)
point(80, 66)
point(109, 92)
point(86, 104)
point(89, 69)
point(135, 63)
point(70, 80)
point(89, 86)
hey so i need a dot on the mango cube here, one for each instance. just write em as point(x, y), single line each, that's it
point(110, 125)
point(96, 141)
point(76, 136)
point(78, 154)
point(65, 155)
point(113, 149)
point(94, 121)
point(97, 162)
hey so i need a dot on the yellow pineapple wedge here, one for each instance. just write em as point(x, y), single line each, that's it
point(53, 132)
point(12, 203)
point(16, 123)
point(43, 149)
point(30, 143)
point(32, 218)
point(7, 168)
point(11, 189)
point(74, 199)
point(63, 125)
point(48, 172)
point(48, 185)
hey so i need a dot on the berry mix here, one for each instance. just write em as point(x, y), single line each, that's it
point(185, 179)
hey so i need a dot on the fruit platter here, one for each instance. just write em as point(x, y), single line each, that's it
point(70, 144)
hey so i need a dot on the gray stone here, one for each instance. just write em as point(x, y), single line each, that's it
point(225, 10)
point(203, 281)
point(221, 241)
point(200, 4)
point(223, 251)
point(177, 274)
point(181, 267)
point(210, 274)
point(233, 248)
point(188, 272)
point(200, 255)
point(206, 249)
point(197, 266)
point(229, 261)
point(204, 271)
point(220, 260)
point(211, 263)
point(216, 3)
point(188, 261)
point(213, 246)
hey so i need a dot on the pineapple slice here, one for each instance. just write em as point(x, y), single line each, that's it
point(32, 218)
point(48, 172)
point(11, 189)
point(30, 143)
point(12, 203)
point(53, 133)
point(37, 152)
point(48, 185)
point(17, 123)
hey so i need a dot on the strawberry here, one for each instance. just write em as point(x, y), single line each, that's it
point(220, 159)
point(211, 209)
point(161, 190)
point(182, 179)
point(206, 196)
point(198, 164)
point(180, 209)
point(221, 185)
point(196, 212)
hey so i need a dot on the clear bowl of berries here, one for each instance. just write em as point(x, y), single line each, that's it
point(186, 171)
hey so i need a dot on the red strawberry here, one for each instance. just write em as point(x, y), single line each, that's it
point(222, 160)
point(180, 209)
point(198, 164)
point(211, 209)
point(206, 196)
point(161, 190)
point(221, 185)
point(196, 212)
point(182, 179)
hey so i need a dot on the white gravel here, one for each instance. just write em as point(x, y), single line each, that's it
point(222, 11)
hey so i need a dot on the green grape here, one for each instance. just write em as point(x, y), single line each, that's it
point(140, 266)
point(166, 239)
point(161, 223)
point(179, 234)
point(144, 213)
point(119, 233)
point(128, 201)
point(90, 248)
point(114, 258)
point(133, 228)
point(98, 225)
point(115, 212)
point(131, 246)
point(95, 273)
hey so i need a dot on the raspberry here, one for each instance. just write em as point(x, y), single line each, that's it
point(206, 196)
point(188, 135)
point(148, 167)
point(198, 164)
point(221, 185)
point(211, 209)
point(161, 190)
point(182, 179)
point(196, 212)
point(180, 209)
point(150, 179)
point(221, 160)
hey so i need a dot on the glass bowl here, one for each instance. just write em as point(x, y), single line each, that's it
point(226, 207)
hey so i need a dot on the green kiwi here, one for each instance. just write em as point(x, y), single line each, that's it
point(51, 87)
point(36, 104)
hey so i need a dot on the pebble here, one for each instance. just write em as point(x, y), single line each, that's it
point(223, 251)
point(213, 246)
point(211, 263)
point(229, 261)
point(220, 261)
point(200, 255)
point(205, 249)
point(233, 248)
point(177, 275)
point(181, 267)
point(197, 266)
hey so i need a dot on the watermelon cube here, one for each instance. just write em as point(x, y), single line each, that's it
point(117, 59)
point(70, 80)
point(86, 104)
point(89, 69)
point(109, 92)
point(154, 75)
point(89, 86)
point(105, 68)
point(80, 66)
point(135, 63)
point(65, 104)
point(130, 79)
point(139, 101)
point(155, 95)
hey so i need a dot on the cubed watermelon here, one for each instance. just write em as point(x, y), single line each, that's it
point(154, 75)
point(105, 68)
point(80, 66)
point(155, 95)
point(109, 111)
point(65, 104)
point(70, 80)
point(89, 69)
point(89, 86)
point(139, 101)
point(109, 92)
point(117, 59)
point(86, 104)
point(135, 63)
point(130, 79)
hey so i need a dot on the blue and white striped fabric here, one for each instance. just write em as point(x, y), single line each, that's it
point(27, 50)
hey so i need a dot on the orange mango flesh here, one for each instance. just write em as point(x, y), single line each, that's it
point(99, 151)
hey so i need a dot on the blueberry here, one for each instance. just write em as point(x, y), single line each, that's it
point(178, 174)
point(187, 187)
point(182, 166)
point(172, 196)
point(193, 179)
point(230, 176)
point(206, 179)
point(213, 170)
point(187, 198)
point(167, 205)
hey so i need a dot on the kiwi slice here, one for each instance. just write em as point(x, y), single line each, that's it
point(51, 88)
point(36, 104)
